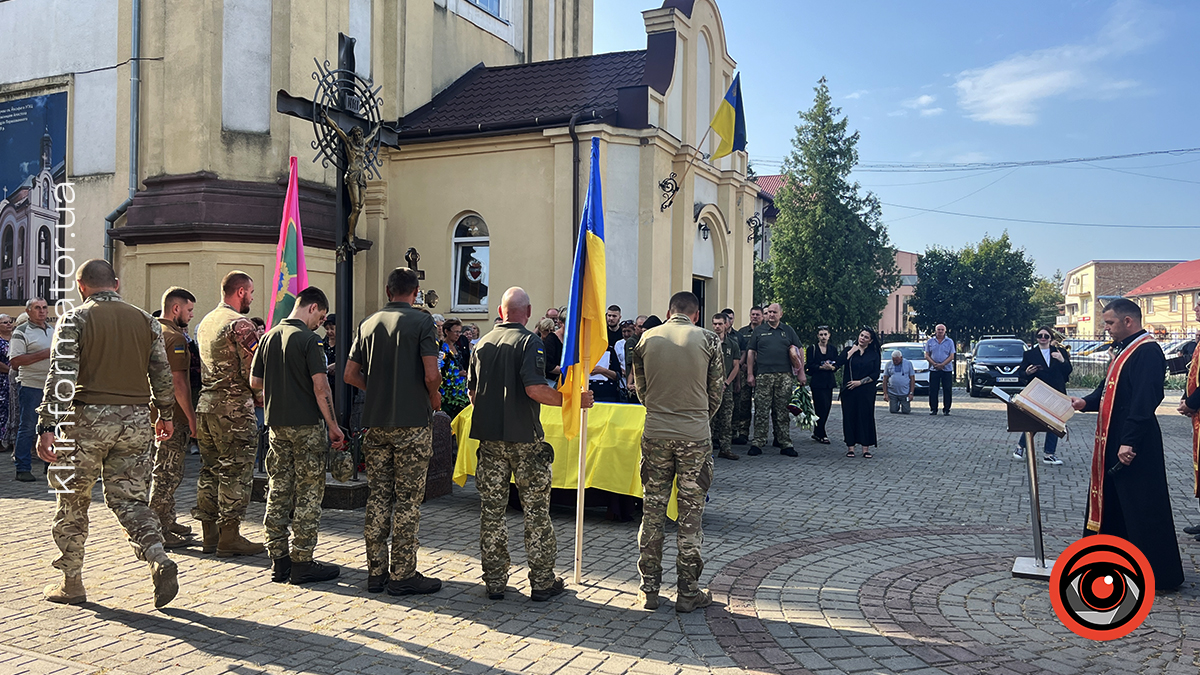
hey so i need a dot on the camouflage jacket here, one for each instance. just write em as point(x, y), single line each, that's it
point(680, 376)
point(70, 343)
point(227, 340)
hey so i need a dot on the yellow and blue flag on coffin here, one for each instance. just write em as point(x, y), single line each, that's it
point(730, 121)
point(586, 336)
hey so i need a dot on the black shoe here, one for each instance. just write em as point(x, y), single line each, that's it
point(496, 595)
point(946, 413)
point(1194, 529)
point(788, 452)
point(281, 569)
point(1198, 537)
point(754, 451)
point(376, 584)
point(25, 477)
point(545, 594)
point(932, 412)
point(740, 440)
point(311, 571)
point(417, 584)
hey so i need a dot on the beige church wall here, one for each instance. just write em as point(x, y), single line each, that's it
point(95, 197)
point(149, 269)
point(509, 183)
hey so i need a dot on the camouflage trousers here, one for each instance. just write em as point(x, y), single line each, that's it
point(397, 461)
point(721, 425)
point(295, 489)
point(772, 393)
point(227, 444)
point(529, 464)
point(742, 403)
point(690, 464)
point(110, 443)
point(168, 472)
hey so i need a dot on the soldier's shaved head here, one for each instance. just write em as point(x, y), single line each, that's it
point(515, 305)
point(97, 275)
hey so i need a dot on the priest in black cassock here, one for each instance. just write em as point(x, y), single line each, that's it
point(1127, 495)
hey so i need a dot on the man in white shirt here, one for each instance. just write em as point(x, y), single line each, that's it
point(29, 352)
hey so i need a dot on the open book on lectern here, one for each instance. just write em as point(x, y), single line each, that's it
point(1042, 402)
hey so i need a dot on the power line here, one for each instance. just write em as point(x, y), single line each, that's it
point(1043, 222)
point(977, 166)
point(969, 194)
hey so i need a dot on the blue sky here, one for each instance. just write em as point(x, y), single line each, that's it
point(985, 82)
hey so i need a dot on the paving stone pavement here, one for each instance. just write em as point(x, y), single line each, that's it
point(819, 564)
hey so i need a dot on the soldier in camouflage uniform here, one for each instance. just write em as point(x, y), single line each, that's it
point(394, 360)
point(289, 367)
point(770, 361)
point(743, 396)
point(507, 388)
point(178, 306)
point(107, 359)
point(227, 430)
point(680, 373)
point(731, 354)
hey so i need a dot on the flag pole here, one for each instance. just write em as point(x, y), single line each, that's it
point(699, 152)
point(579, 483)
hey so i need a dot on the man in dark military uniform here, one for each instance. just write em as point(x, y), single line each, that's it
point(108, 355)
point(226, 426)
point(178, 307)
point(743, 396)
point(731, 355)
point(680, 373)
point(394, 360)
point(289, 366)
point(507, 387)
point(769, 365)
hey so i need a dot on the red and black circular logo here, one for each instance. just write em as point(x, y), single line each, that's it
point(1102, 587)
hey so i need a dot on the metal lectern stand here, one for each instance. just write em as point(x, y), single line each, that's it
point(1036, 567)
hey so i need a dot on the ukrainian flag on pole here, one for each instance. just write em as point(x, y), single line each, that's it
point(586, 336)
point(291, 274)
point(730, 121)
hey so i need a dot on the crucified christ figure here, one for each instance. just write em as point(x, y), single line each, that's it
point(356, 170)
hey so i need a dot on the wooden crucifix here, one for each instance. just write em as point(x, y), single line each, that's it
point(345, 116)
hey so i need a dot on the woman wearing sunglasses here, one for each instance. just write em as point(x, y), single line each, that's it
point(1052, 365)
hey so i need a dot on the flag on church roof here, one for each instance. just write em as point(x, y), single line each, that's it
point(291, 274)
point(730, 121)
point(586, 337)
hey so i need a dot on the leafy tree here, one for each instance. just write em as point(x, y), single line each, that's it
point(763, 291)
point(1047, 296)
point(984, 288)
point(831, 262)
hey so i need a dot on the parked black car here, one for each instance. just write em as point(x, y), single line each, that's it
point(996, 362)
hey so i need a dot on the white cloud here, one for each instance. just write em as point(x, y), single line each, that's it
point(930, 112)
point(858, 94)
point(897, 113)
point(922, 101)
point(1009, 91)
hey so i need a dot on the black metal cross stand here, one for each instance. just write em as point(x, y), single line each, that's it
point(347, 111)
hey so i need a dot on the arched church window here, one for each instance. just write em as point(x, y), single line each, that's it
point(6, 261)
point(471, 265)
point(44, 246)
point(21, 246)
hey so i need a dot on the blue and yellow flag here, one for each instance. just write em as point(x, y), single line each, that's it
point(586, 335)
point(730, 121)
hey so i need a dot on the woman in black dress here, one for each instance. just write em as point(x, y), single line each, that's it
point(859, 375)
point(820, 363)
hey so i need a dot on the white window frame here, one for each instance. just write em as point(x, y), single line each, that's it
point(1174, 302)
point(458, 243)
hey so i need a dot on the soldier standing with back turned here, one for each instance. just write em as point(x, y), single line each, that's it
point(108, 355)
point(394, 360)
point(227, 430)
point(507, 386)
point(289, 366)
point(680, 374)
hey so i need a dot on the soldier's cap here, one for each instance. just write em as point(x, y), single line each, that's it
point(330, 319)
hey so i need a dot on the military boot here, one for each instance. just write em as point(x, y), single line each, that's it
point(687, 603)
point(311, 571)
point(165, 575)
point(232, 543)
point(648, 599)
point(69, 591)
point(172, 540)
point(210, 536)
point(181, 530)
point(281, 569)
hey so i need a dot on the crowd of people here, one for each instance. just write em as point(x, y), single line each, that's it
point(131, 417)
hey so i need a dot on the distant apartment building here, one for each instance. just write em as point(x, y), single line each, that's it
point(1087, 287)
point(895, 318)
point(1167, 300)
